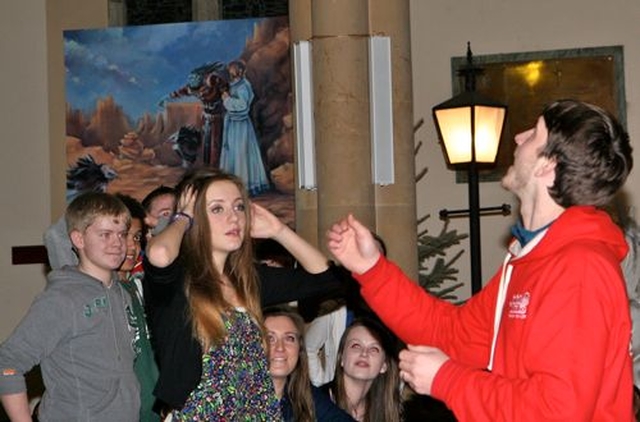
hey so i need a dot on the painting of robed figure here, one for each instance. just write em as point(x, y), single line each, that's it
point(146, 103)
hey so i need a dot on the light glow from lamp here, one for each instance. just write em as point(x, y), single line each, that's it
point(455, 129)
point(305, 132)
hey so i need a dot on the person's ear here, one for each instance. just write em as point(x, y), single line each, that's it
point(384, 368)
point(546, 169)
point(77, 239)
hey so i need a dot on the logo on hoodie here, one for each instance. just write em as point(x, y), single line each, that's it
point(518, 305)
point(95, 306)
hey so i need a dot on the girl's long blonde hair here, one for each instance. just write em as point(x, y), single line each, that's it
point(203, 281)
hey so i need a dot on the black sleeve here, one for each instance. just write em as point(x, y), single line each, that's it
point(178, 354)
point(280, 285)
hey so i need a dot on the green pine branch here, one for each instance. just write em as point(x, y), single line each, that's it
point(435, 269)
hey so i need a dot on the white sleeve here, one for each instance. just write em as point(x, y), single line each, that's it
point(322, 337)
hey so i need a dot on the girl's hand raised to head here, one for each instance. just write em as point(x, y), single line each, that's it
point(264, 225)
point(186, 201)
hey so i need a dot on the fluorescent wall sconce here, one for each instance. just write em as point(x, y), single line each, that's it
point(381, 110)
point(380, 117)
point(305, 132)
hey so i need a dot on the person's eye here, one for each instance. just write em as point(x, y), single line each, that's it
point(292, 339)
point(271, 339)
point(216, 209)
point(166, 213)
point(137, 237)
point(374, 350)
point(355, 346)
point(240, 207)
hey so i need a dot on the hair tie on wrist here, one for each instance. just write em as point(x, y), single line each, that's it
point(183, 216)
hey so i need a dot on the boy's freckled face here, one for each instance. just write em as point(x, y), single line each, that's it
point(103, 244)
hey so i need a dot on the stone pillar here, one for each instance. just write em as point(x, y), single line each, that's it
point(340, 32)
point(306, 201)
point(117, 13)
point(396, 204)
point(206, 10)
point(341, 106)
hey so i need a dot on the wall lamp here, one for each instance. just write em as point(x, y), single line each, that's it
point(305, 132)
point(380, 116)
point(469, 126)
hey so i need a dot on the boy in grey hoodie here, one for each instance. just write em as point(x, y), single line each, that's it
point(78, 328)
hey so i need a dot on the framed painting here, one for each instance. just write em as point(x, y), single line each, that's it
point(146, 103)
point(527, 81)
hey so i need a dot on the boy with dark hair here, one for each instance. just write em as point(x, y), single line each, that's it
point(77, 329)
point(131, 275)
point(548, 337)
point(159, 204)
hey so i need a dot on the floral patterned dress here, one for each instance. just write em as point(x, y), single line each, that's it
point(235, 383)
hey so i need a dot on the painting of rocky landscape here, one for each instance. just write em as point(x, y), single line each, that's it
point(146, 103)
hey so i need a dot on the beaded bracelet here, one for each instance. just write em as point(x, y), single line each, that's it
point(183, 216)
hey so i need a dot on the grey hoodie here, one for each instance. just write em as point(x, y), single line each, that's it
point(78, 330)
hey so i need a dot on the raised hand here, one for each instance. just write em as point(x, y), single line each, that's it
point(264, 225)
point(186, 201)
point(353, 245)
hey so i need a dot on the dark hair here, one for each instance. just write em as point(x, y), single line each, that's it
point(592, 153)
point(133, 205)
point(137, 211)
point(156, 193)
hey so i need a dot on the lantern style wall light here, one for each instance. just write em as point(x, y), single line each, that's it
point(469, 126)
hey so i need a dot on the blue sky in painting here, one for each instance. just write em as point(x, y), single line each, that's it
point(139, 65)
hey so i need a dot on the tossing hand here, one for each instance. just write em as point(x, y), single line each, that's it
point(419, 366)
point(353, 245)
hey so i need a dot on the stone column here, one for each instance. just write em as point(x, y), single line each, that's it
point(205, 10)
point(340, 32)
point(396, 204)
point(306, 201)
point(341, 105)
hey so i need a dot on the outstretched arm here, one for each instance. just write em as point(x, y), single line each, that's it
point(353, 245)
point(265, 225)
point(164, 247)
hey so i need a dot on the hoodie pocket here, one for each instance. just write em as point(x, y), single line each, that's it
point(104, 399)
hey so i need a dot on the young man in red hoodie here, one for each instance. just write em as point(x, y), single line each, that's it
point(548, 337)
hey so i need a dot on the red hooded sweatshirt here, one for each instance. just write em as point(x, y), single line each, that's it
point(562, 348)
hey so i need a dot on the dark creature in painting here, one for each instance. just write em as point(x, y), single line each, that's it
point(206, 83)
point(87, 175)
point(186, 143)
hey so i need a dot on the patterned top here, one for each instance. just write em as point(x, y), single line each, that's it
point(235, 383)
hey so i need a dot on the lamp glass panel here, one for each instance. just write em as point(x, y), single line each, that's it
point(455, 129)
point(488, 128)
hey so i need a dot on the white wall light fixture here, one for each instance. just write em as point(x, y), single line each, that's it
point(381, 110)
point(305, 142)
